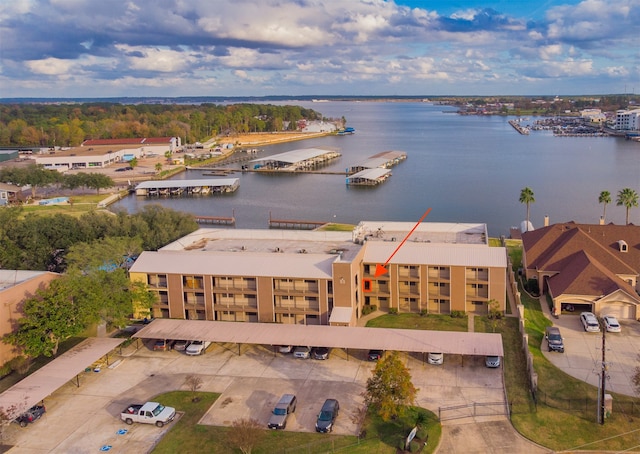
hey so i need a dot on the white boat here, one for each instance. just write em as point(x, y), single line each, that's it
point(152, 191)
point(177, 191)
point(205, 190)
point(196, 190)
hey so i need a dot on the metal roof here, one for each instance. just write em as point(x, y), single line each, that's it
point(291, 157)
point(372, 163)
point(153, 184)
point(435, 254)
point(370, 174)
point(240, 263)
point(46, 380)
point(404, 340)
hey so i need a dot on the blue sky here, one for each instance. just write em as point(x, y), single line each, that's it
point(90, 48)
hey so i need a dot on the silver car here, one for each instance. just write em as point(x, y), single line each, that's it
point(302, 352)
point(589, 322)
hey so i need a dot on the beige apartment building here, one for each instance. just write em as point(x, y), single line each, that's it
point(15, 287)
point(321, 277)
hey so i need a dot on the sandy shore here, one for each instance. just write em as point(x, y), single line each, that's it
point(262, 139)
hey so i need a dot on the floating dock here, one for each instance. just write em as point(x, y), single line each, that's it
point(369, 177)
point(294, 223)
point(518, 127)
point(191, 187)
point(216, 220)
point(375, 170)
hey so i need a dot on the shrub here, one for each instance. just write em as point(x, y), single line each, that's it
point(424, 313)
point(20, 364)
point(457, 314)
point(368, 309)
point(393, 310)
point(5, 370)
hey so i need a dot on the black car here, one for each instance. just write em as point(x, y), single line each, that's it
point(327, 416)
point(31, 415)
point(124, 169)
point(554, 339)
point(374, 355)
point(320, 353)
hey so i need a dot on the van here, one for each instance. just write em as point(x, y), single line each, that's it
point(327, 416)
point(285, 406)
point(554, 339)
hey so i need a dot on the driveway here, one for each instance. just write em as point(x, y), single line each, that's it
point(86, 418)
point(582, 358)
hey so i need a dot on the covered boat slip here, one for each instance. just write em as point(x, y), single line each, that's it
point(45, 381)
point(291, 161)
point(402, 340)
point(386, 160)
point(369, 177)
point(178, 187)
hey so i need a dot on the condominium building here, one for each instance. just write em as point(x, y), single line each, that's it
point(628, 120)
point(323, 277)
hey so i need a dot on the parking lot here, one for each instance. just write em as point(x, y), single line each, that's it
point(86, 418)
point(582, 358)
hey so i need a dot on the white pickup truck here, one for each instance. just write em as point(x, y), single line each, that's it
point(149, 413)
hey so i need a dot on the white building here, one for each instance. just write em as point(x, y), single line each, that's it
point(628, 120)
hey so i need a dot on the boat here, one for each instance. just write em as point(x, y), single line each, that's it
point(163, 191)
point(196, 190)
point(152, 191)
point(177, 191)
point(205, 190)
point(346, 131)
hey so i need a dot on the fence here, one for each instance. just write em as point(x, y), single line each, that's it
point(473, 409)
point(586, 408)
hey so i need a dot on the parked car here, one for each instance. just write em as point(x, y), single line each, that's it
point(31, 415)
point(435, 358)
point(180, 345)
point(124, 169)
point(149, 413)
point(589, 322)
point(611, 324)
point(374, 355)
point(320, 353)
point(492, 361)
point(328, 414)
point(554, 339)
point(285, 406)
point(285, 348)
point(302, 352)
point(162, 345)
point(197, 348)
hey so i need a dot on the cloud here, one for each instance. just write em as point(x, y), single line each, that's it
point(327, 46)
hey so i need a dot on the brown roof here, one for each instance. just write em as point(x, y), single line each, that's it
point(585, 259)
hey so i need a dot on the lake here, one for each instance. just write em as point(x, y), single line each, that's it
point(466, 168)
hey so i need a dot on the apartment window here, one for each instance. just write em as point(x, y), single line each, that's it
point(193, 281)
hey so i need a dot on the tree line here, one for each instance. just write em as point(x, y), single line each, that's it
point(49, 125)
point(627, 197)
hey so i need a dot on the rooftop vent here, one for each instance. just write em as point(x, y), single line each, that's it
point(622, 246)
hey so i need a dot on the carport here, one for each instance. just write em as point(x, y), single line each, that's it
point(46, 380)
point(402, 340)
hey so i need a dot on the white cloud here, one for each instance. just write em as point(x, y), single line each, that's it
point(51, 66)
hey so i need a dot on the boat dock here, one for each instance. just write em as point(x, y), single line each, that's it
point(374, 170)
point(297, 160)
point(216, 220)
point(191, 187)
point(518, 127)
point(294, 223)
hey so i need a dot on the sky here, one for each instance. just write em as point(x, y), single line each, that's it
point(171, 48)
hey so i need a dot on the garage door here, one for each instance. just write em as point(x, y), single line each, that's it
point(620, 310)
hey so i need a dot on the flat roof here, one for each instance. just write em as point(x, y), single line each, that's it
point(46, 380)
point(9, 278)
point(428, 232)
point(435, 254)
point(160, 184)
point(293, 156)
point(403, 340)
point(239, 263)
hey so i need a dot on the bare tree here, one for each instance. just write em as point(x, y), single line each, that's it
point(358, 417)
point(194, 383)
point(245, 434)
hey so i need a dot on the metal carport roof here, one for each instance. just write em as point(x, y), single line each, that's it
point(46, 380)
point(404, 340)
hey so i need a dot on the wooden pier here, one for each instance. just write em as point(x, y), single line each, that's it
point(216, 220)
point(294, 223)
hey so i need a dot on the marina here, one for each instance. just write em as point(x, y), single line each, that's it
point(295, 160)
point(191, 187)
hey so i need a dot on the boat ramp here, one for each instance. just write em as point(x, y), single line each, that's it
point(201, 186)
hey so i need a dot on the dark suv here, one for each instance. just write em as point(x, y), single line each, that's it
point(327, 416)
point(554, 339)
point(285, 406)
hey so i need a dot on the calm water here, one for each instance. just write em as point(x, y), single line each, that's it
point(466, 168)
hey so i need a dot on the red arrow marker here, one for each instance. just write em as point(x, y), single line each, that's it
point(381, 269)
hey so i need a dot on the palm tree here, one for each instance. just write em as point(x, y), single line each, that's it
point(628, 198)
point(526, 196)
point(604, 198)
point(158, 167)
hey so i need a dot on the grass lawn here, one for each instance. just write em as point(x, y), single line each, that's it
point(81, 205)
point(187, 436)
point(435, 322)
point(337, 227)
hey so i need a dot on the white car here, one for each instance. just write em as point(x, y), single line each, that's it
point(435, 358)
point(197, 348)
point(302, 352)
point(589, 322)
point(611, 324)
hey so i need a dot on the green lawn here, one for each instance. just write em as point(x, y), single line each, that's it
point(436, 322)
point(187, 436)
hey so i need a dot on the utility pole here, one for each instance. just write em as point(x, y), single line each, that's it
point(602, 379)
